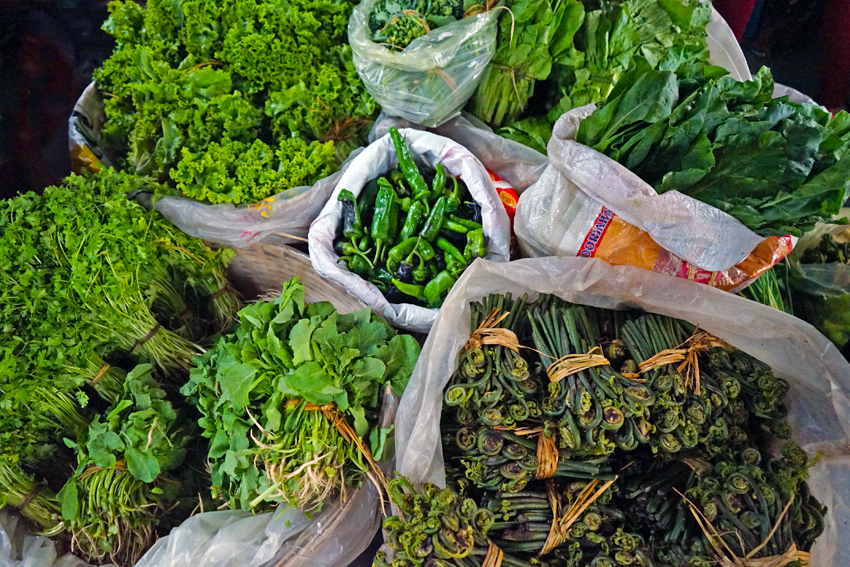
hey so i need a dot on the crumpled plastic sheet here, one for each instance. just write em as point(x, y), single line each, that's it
point(20, 548)
point(819, 377)
point(700, 234)
point(432, 78)
point(377, 159)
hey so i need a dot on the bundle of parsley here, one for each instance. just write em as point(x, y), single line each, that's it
point(778, 167)
point(290, 399)
point(92, 283)
point(232, 100)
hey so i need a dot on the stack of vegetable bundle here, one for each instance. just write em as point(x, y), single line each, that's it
point(556, 56)
point(92, 284)
point(411, 232)
point(776, 166)
point(653, 444)
point(289, 397)
point(234, 100)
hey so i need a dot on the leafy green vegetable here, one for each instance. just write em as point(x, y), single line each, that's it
point(111, 503)
point(778, 167)
point(396, 23)
point(252, 93)
point(269, 390)
point(563, 54)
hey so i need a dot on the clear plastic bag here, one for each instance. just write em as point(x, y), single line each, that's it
point(433, 77)
point(819, 377)
point(20, 548)
point(586, 204)
point(821, 292)
point(281, 218)
point(378, 158)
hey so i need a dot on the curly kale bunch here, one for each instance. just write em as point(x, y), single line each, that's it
point(396, 23)
point(204, 81)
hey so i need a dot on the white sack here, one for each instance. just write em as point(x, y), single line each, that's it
point(555, 215)
point(380, 157)
point(819, 377)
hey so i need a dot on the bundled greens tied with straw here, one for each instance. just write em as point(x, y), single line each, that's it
point(291, 400)
point(615, 438)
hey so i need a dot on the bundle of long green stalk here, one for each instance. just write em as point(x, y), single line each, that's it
point(85, 273)
point(291, 400)
point(112, 502)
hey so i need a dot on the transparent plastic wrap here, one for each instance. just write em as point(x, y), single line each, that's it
point(281, 218)
point(433, 77)
point(378, 158)
point(821, 292)
point(586, 204)
point(819, 377)
point(20, 548)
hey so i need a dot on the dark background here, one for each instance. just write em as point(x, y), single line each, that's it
point(49, 48)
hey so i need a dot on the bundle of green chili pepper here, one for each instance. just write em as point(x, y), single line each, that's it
point(677, 422)
point(412, 231)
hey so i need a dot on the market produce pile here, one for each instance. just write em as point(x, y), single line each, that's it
point(276, 396)
point(92, 285)
point(556, 56)
point(585, 436)
point(412, 231)
point(232, 101)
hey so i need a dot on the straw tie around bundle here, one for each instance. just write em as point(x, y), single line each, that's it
point(725, 557)
point(100, 374)
point(575, 363)
point(562, 521)
point(488, 334)
point(494, 556)
point(547, 455)
point(698, 343)
point(141, 342)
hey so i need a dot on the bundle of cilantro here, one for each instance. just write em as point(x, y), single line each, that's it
point(235, 100)
point(267, 392)
point(778, 167)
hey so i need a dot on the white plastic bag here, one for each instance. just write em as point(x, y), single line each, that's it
point(432, 78)
point(276, 219)
point(583, 193)
point(285, 538)
point(20, 548)
point(819, 377)
point(377, 159)
point(724, 49)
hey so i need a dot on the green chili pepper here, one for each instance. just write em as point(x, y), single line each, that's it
point(413, 220)
point(351, 226)
point(407, 165)
point(438, 288)
point(398, 178)
point(364, 243)
point(412, 290)
point(357, 264)
point(425, 252)
point(453, 202)
point(366, 202)
point(450, 250)
point(400, 251)
point(386, 211)
point(439, 180)
point(474, 245)
point(471, 225)
point(454, 226)
point(435, 221)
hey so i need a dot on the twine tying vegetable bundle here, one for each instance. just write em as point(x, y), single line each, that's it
point(698, 343)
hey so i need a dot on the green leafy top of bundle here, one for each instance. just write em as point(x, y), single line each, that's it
point(187, 73)
point(266, 444)
point(778, 167)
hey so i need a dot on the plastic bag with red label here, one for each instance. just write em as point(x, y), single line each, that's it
point(586, 204)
